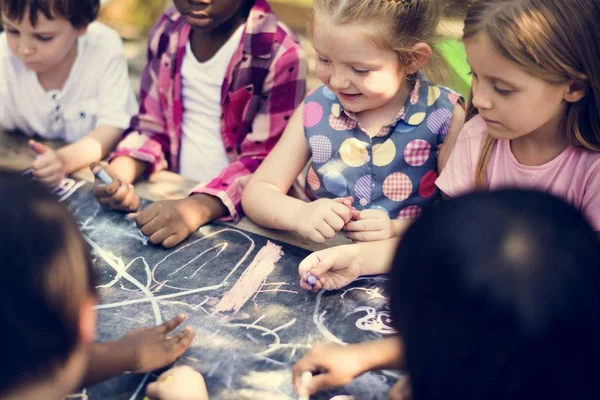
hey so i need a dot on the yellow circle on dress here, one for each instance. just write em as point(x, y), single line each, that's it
point(384, 153)
point(354, 152)
point(417, 118)
point(434, 94)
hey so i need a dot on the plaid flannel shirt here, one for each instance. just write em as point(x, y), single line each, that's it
point(265, 81)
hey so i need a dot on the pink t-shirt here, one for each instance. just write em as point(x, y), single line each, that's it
point(574, 175)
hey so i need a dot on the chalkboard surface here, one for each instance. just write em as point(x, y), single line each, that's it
point(241, 294)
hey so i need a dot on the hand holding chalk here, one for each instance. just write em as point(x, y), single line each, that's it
point(312, 280)
point(305, 380)
point(103, 176)
point(113, 193)
point(48, 167)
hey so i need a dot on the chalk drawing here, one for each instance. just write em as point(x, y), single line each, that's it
point(250, 281)
point(374, 321)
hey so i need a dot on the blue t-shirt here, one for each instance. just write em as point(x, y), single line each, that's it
point(395, 170)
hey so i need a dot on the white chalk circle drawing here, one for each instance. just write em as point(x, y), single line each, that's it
point(355, 314)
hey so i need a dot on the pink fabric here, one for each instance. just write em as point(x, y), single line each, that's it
point(573, 176)
point(264, 83)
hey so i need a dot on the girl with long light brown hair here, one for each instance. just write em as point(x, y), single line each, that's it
point(534, 114)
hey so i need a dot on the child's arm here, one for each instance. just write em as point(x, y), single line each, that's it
point(141, 350)
point(265, 198)
point(179, 383)
point(456, 124)
point(341, 364)
point(336, 267)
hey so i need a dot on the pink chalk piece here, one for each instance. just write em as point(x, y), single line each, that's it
point(251, 280)
point(312, 280)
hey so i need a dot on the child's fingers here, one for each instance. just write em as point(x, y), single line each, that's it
point(106, 191)
point(309, 262)
point(365, 236)
point(320, 382)
point(146, 216)
point(172, 241)
point(363, 225)
point(156, 389)
point(171, 324)
point(343, 211)
point(160, 235)
point(324, 229)
point(335, 221)
point(131, 201)
point(180, 342)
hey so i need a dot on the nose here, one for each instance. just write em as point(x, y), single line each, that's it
point(338, 81)
point(480, 97)
point(26, 48)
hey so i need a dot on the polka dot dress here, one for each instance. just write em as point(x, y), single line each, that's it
point(393, 171)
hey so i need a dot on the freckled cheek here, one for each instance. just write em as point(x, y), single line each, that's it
point(323, 73)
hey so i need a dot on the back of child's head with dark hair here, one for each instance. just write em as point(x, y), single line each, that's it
point(45, 277)
point(78, 12)
point(497, 296)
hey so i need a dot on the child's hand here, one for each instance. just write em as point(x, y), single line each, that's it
point(153, 348)
point(169, 222)
point(334, 268)
point(339, 366)
point(48, 168)
point(117, 195)
point(369, 226)
point(179, 383)
point(321, 219)
point(401, 390)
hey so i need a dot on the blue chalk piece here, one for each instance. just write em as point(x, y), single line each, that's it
point(104, 177)
point(311, 279)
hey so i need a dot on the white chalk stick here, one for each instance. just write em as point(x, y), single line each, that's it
point(305, 380)
point(104, 177)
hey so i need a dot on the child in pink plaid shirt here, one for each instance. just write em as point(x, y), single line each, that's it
point(264, 81)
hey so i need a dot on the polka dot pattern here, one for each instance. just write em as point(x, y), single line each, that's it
point(453, 97)
point(384, 154)
point(364, 189)
point(335, 183)
point(417, 118)
point(354, 152)
point(410, 212)
point(397, 187)
point(417, 152)
point(403, 127)
point(427, 186)
point(439, 121)
point(342, 123)
point(312, 114)
point(433, 95)
point(312, 179)
point(321, 148)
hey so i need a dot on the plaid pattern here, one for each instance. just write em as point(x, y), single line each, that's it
point(410, 212)
point(264, 83)
point(397, 187)
point(417, 152)
point(342, 123)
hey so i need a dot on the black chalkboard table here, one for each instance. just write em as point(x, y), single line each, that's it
point(241, 293)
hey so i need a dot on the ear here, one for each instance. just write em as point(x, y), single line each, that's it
point(87, 321)
point(574, 92)
point(420, 55)
point(82, 30)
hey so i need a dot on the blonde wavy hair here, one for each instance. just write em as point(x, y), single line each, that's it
point(401, 23)
point(556, 40)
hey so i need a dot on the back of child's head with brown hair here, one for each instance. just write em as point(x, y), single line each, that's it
point(556, 40)
point(395, 25)
point(78, 12)
point(497, 296)
point(45, 277)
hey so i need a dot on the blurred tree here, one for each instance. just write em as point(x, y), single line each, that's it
point(132, 18)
